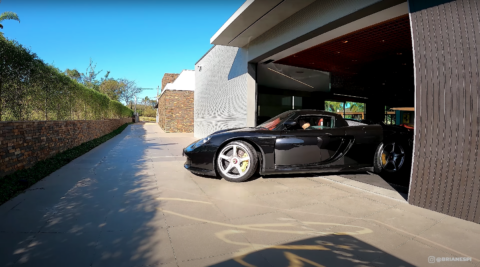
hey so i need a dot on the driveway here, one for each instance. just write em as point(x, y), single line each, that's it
point(129, 202)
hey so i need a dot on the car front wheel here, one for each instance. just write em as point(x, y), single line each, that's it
point(237, 161)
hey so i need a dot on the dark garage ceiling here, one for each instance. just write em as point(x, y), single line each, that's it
point(373, 60)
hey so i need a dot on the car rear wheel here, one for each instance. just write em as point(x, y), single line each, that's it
point(237, 161)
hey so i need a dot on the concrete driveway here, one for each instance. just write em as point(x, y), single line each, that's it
point(129, 202)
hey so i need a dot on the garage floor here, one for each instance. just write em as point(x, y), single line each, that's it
point(129, 202)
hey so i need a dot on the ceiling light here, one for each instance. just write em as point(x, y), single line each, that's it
point(345, 41)
point(291, 78)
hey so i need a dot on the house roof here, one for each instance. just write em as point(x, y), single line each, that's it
point(184, 82)
point(254, 18)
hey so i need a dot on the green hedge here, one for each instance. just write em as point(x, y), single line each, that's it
point(33, 90)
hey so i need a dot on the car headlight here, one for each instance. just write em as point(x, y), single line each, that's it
point(202, 141)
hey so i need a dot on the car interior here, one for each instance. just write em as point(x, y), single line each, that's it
point(316, 122)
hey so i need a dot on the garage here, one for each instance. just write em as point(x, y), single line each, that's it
point(361, 75)
point(410, 63)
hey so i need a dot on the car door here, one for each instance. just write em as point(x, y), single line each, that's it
point(367, 138)
point(319, 144)
point(297, 147)
point(333, 143)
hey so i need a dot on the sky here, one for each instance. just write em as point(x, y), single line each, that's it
point(139, 40)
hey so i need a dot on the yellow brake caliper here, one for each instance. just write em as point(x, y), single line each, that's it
point(384, 159)
point(245, 163)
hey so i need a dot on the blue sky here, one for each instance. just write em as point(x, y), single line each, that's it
point(138, 40)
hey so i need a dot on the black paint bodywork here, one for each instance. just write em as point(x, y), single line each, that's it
point(281, 151)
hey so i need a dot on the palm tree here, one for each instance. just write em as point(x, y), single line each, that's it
point(7, 15)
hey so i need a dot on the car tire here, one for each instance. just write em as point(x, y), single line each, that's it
point(385, 156)
point(235, 173)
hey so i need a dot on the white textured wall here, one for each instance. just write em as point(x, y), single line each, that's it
point(304, 21)
point(220, 90)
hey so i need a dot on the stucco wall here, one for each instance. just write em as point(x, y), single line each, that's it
point(221, 90)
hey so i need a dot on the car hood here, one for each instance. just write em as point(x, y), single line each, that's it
point(239, 129)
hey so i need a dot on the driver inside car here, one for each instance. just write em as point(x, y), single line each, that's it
point(304, 124)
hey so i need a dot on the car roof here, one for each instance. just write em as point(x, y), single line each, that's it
point(314, 111)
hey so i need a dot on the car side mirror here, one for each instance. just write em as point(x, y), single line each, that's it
point(290, 124)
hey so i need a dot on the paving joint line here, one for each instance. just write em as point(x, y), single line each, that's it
point(185, 225)
point(170, 239)
point(368, 191)
point(209, 198)
point(214, 256)
point(284, 191)
point(251, 216)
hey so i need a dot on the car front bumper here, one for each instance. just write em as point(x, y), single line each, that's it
point(198, 161)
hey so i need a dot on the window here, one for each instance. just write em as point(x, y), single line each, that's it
point(297, 102)
point(316, 122)
point(390, 116)
point(273, 122)
point(270, 105)
point(354, 110)
point(337, 107)
point(348, 109)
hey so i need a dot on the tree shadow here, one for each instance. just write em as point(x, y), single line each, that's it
point(330, 250)
point(101, 209)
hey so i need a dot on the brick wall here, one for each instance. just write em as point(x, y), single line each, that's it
point(22, 144)
point(161, 110)
point(175, 111)
point(168, 78)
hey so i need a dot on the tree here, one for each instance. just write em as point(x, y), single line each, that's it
point(145, 101)
point(74, 74)
point(128, 91)
point(112, 88)
point(89, 79)
point(7, 15)
point(153, 103)
point(333, 106)
point(357, 107)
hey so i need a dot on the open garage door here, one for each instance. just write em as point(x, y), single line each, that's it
point(365, 75)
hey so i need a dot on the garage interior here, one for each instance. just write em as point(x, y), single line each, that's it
point(361, 75)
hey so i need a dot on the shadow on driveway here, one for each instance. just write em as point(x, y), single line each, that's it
point(330, 250)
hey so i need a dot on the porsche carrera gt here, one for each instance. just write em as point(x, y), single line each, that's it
point(302, 141)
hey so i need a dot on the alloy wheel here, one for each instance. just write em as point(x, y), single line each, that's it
point(393, 157)
point(233, 161)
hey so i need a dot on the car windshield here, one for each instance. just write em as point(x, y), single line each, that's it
point(273, 122)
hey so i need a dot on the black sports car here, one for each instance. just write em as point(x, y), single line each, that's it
point(301, 141)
